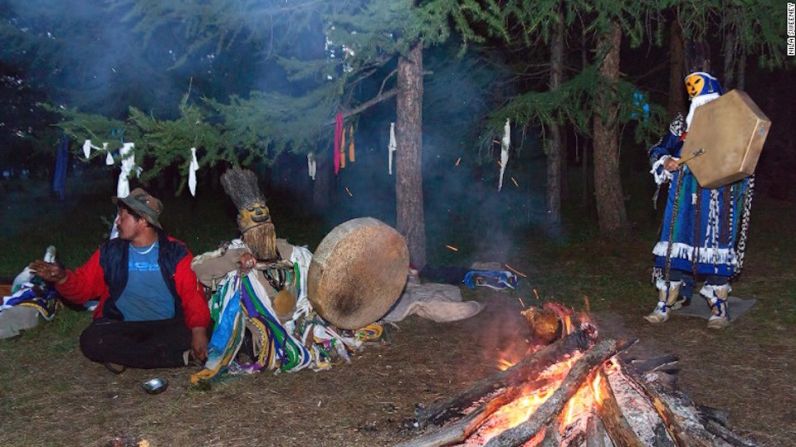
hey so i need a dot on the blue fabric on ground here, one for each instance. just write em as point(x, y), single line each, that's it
point(494, 279)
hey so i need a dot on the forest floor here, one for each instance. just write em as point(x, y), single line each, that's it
point(51, 395)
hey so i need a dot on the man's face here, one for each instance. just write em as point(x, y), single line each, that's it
point(129, 227)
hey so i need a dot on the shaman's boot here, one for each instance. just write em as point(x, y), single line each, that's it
point(667, 297)
point(716, 297)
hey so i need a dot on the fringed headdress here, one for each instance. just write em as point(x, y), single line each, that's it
point(254, 218)
point(241, 186)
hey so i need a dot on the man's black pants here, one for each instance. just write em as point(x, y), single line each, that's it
point(137, 344)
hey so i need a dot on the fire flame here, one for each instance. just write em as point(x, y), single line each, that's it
point(590, 394)
point(580, 404)
point(504, 364)
point(516, 412)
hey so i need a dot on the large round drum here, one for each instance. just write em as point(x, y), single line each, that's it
point(357, 272)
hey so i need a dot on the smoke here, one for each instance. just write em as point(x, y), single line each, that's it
point(462, 206)
point(88, 55)
point(95, 60)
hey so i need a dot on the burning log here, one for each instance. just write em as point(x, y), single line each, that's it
point(575, 393)
point(665, 362)
point(531, 366)
point(553, 405)
point(463, 428)
point(617, 427)
point(682, 418)
point(596, 436)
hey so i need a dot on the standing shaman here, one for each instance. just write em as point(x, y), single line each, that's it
point(704, 229)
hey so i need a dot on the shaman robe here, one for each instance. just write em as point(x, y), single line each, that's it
point(705, 227)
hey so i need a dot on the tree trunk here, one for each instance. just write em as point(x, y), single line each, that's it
point(554, 144)
point(742, 70)
point(409, 155)
point(585, 177)
point(611, 213)
point(676, 70)
point(322, 186)
point(729, 59)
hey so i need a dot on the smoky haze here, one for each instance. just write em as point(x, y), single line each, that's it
point(84, 54)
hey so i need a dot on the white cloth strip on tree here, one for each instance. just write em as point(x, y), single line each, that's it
point(108, 155)
point(127, 156)
point(192, 168)
point(505, 143)
point(311, 165)
point(88, 146)
point(392, 147)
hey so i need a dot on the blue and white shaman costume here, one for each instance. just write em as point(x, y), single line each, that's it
point(704, 230)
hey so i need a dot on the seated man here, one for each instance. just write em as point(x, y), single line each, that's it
point(152, 312)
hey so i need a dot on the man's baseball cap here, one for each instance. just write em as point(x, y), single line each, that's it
point(143, 203)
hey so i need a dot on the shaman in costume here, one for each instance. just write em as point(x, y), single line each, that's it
point(269, 301)
point(704, 230)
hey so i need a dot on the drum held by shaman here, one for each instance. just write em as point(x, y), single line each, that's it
point(357, 272)
point(725, 139)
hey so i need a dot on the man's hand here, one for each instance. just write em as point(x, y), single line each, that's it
point(48, 271)
point(199, 343)
point(247, 262)
point(671, 164)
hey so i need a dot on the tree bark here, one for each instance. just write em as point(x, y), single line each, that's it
point(585, 177)
point(554, 147)
point(729, 59)
point(322, 186)
point(611, 213)
point(741, 85)
point(410, 220)
point(676, 70)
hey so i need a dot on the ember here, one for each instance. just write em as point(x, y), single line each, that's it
point(576, 391)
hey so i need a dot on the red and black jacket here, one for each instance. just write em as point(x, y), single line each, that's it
point(104, 277)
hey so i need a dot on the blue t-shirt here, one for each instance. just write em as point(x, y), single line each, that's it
point(146, 296)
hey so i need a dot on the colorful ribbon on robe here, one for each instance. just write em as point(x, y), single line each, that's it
point(243, 303)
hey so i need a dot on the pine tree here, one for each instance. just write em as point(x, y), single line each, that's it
point(361, 39)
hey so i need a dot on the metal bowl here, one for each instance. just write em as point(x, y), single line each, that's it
point(155, 386)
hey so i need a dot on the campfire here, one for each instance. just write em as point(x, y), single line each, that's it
point(574, 389)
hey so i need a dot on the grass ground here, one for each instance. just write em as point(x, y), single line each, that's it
point(51, 395)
